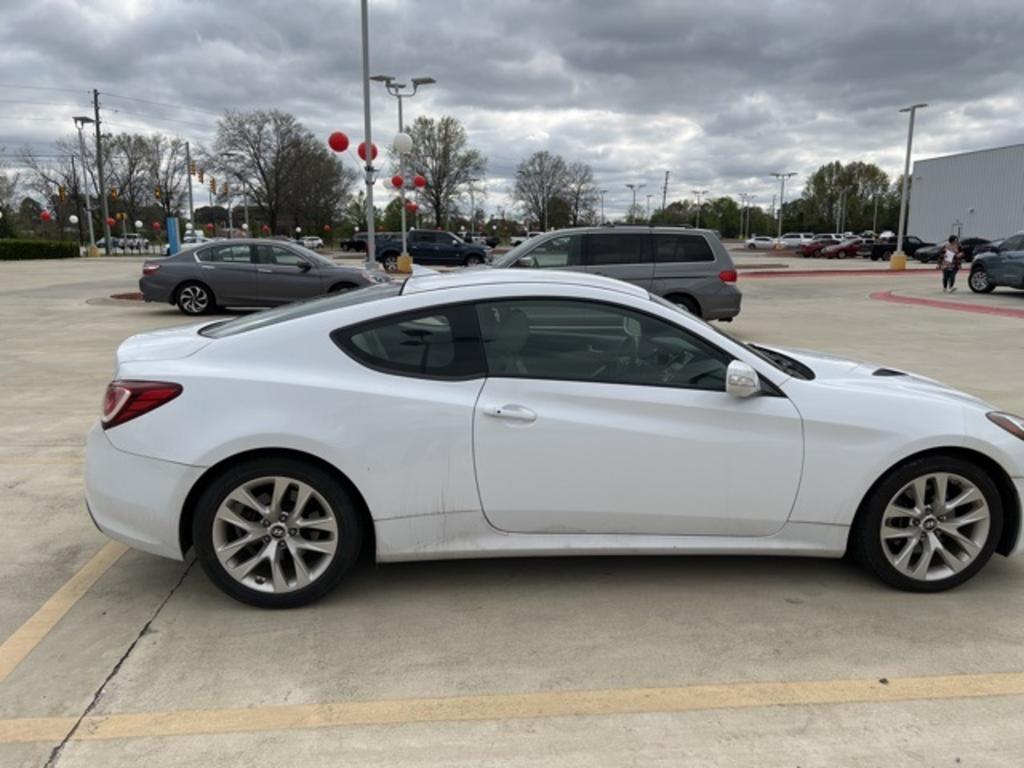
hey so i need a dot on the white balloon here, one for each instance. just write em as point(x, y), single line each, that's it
point(138, 224)
point(403, 143)
point(72, 219)
point(245, 227)
point(298, 230)
point(188, 227)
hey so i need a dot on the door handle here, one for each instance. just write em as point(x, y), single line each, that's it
point(207, 266)
point(511, 413)
point(264, 269)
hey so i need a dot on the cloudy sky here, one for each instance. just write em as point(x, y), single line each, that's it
point(719, 93)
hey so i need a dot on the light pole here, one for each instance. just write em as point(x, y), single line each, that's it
point(899, 259)
point(634, 188)
point(398, 90)
point(80, 122)
point(371, 173)
point(874, 220)
point(472, 203)
point(602, 193)
point(699, 193)
point(649, 208)
point(747, 199)
point(782, 196)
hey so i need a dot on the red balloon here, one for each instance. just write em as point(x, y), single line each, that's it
point(45, 216)
point(419, 181)
point(266, 229)
point(327, 227)
point(110, 221)
point(361, 151)
point(411, 207)
point(209, 227)
point(338, 141)
point(157, 226)
point(397, 181)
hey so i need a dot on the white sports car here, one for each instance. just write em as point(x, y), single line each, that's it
point(528, 412)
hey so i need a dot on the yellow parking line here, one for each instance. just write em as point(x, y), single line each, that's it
point(26, 637)
point(512, 706)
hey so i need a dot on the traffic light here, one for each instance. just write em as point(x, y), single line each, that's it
point(62, 193)
point(199, 174)
point(224, 189)
point(192, 168)
point(121, 216)
point(157, 192)
point(113, 193)
point(213, 185)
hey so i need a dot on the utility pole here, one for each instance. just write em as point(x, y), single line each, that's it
point(649, 208)
point(99, 171)
point(602, 193)
point(902, 262)
point(78, 198)
point(874, 220)
point(664, 192)
point(634, 188)
point(782, 194)
point(188, 167)
point(80, 122)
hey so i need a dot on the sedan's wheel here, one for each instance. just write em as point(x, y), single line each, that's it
point(930, 525)
point(474, 261)
point(980, 282)
point(390, 262)
point(194, 299)
point(276, 533)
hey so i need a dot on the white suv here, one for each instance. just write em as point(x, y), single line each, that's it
point(795, 239)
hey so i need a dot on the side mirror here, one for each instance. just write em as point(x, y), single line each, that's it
point(741, 380)
point(526, 261)
point(304, 266)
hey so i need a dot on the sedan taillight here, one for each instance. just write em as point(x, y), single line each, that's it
point(124, 400)
point(150, 269)
point(727, 276)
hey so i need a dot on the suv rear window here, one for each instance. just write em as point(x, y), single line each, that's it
point(685, 248)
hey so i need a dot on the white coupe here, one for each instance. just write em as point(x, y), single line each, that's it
point(527, 412)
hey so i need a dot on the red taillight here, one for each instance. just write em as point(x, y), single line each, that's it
point(150, 269)
point(124, 400)
point(727, 275)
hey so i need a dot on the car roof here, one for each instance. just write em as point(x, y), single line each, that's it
point(436, 281)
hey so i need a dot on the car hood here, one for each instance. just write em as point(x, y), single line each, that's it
point(166, 344)
point(853, 374)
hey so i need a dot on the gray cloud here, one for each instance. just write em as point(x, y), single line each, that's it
point(720, 95)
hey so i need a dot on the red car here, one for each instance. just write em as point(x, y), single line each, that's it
point(814, 248)
point(846, 249)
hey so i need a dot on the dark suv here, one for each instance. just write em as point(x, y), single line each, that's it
point(1002, 267)
point(689, 267)
point(429, 246)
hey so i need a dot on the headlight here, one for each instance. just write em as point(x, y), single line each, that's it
point(1012, 424)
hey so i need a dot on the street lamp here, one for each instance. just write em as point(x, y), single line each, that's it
point(782, 196)
point(400, 91)
point(602, 192)
point(699, 193)
point(899, 259)
point(80, 122)
point(649, 208)
point(633, 188)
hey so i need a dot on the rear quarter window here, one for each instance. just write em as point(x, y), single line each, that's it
point(682, 248)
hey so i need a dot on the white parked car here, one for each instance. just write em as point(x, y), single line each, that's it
point(795, 239)
point(760, 241)
point(518, 412)
point(313, 242)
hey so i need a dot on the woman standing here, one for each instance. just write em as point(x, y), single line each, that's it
point(949, 263)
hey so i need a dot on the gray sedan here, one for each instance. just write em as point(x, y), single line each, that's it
point(245, 273)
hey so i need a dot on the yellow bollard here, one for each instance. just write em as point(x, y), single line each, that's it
point(92, 251)
point(898, 261)
point(405, 263)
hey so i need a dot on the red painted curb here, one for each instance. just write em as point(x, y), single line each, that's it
point(746, 274)
point(978, 309)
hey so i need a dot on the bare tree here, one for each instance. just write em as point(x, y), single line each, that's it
point(319, 185)
point(580, 193)
point(442, 155)
point(540, 179)
point(54, 179)
point(166, 170)
point(127, 164)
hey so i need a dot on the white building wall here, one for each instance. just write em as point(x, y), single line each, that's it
point(983, 190)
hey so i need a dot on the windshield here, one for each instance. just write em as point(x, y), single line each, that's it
point(511, 257)
point(300, 309)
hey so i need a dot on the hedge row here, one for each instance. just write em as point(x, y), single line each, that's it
point(20, 250)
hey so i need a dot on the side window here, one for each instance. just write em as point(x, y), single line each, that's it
point(572, 340)
point(675, 248)
point(609, 249)
point(426, 237)
point(205, 254)
point(557, 252)
point(435, 343)
point(231, 254)
point(1015, 243)
point(282, 257)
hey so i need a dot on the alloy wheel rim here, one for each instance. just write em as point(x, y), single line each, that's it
point(275, 534)
point(979, 279)
point(935, 526)
point(194, 299)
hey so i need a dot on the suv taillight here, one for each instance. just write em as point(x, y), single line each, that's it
point(150, 269)
point(124, 400)
point(727, 275)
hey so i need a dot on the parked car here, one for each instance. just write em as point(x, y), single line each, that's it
point(535, 413)
point(815, 247)
point(1002, 267)
point(690, 268)
point(795, 239)
point(844, 249)
point(827, 236)
point(245, 273)
point(134, 241)
point(884, 247)
point(429, 246)
point(115, 242)
point(760, 241)
point(313, 242)
point(520, 239)
point(355, 243)
point(968, 246)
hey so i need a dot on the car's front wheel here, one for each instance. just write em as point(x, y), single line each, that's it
point(195, 299)
point(980, 282)
point(929, 525)
point(390, 262)
point(276, 532)
point(473, 260)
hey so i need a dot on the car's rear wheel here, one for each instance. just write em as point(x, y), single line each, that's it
point(929, 525)
point(390, 262)
point(686, 302)
point(473, 260)
point(979, 281)
point(276, 532)
point(194, 299)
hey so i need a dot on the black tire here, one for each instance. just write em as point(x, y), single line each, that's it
point(865, 540)
point(979, 281)
point(474, 260)
point(349, 530)
point(194, 298)
point(887, 255)
point(390, 262)
point(686, 302)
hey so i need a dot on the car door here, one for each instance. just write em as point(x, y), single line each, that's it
point(447, 250)
point(422, 246)
point(682, 263)
point(1011, 262)
point(286, 275)
point(600, 419)
point(230, 272)
point(622, 255)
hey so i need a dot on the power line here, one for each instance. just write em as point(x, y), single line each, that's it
point(43, 88)
point(33, 119)
point(40, 103)
point(118, 111)
point(161, 104)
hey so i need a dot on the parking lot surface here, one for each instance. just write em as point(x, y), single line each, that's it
point(118, 658)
